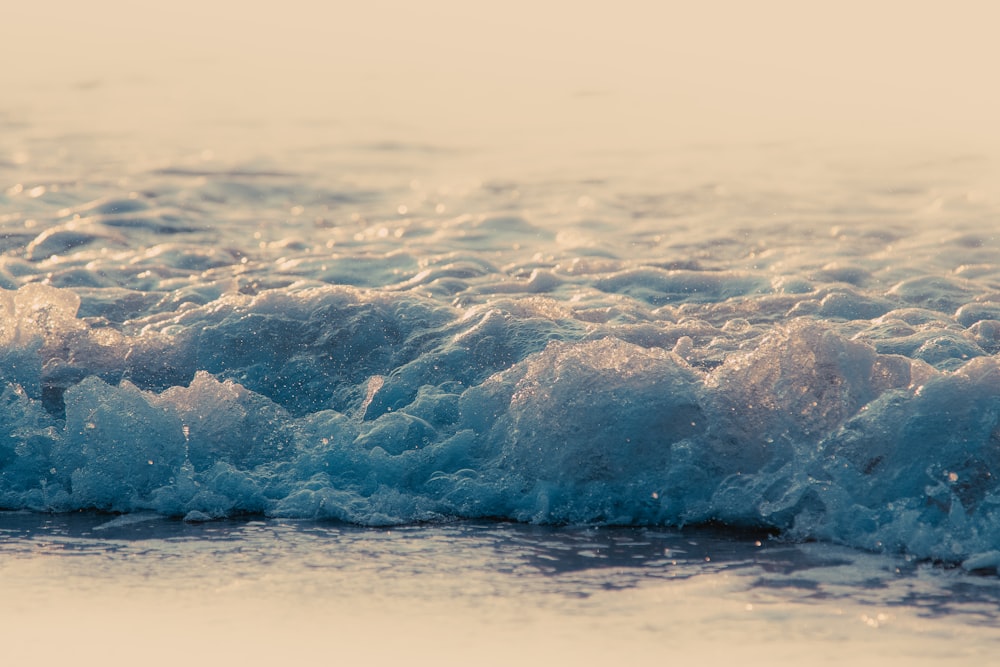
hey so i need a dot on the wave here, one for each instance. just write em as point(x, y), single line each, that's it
point(663, 359)
point(377, 407)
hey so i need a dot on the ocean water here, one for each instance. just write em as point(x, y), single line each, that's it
point(207, 340)
point(570, 347)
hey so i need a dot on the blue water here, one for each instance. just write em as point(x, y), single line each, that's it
point(378, 337)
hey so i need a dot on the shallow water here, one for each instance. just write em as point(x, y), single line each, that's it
point(256, 591)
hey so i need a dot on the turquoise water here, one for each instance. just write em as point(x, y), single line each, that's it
point(290, 338)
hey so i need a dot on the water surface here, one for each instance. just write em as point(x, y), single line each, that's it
point(475, 314)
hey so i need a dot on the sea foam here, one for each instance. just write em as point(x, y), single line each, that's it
point(613, 360)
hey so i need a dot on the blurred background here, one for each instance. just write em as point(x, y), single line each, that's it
point(532, 74)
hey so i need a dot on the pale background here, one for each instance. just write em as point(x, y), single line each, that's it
point(535, 74)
